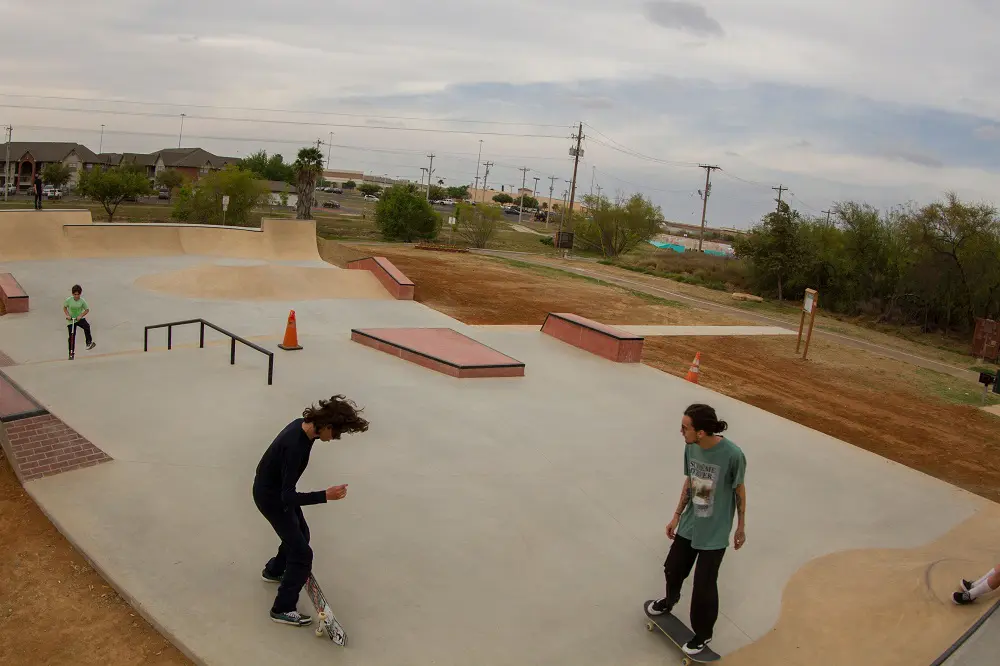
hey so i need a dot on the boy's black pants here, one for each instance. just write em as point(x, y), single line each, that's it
point(705, 595)
point(293, 562)
point(80, 323)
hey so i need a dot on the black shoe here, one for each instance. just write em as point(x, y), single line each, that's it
point(696, 645)
point(294, 618)
point(270, 578)
point(659, 607)
point(967, 585)
point(962, 598)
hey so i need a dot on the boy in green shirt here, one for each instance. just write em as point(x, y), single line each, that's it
point(713, 492)
point(76, 310)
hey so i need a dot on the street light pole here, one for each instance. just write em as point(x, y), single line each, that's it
point(181, 135)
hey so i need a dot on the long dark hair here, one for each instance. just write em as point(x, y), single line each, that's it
point(338, 413)
point(704, 418)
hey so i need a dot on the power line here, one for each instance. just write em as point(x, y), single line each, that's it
point(150, 114)
point(271, 110)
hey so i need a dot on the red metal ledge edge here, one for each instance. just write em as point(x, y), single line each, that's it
point(467, 370)
point(397, 284)
point(604, 341)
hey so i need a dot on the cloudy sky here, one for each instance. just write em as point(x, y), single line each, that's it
point(885, 101)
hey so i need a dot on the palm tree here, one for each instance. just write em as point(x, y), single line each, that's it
point(308, 167)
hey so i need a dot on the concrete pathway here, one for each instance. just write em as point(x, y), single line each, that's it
point(920, 361)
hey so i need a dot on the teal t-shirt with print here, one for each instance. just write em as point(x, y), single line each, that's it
point(707, 520)
point(76, 307)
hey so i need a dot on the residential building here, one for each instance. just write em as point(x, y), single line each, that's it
point(30, 157)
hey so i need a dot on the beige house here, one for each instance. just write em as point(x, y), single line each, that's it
point(30, 157)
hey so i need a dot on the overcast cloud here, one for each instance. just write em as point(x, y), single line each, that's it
point(885, 100)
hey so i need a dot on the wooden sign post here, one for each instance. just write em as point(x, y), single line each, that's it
point(809, 306)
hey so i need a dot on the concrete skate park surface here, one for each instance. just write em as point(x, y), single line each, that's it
point(497, 521)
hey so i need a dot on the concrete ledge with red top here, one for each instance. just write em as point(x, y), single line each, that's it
point(441, 349)
point(397, 284)
point(608, 342)
point(13, 296)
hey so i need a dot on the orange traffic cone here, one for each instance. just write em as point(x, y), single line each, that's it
point(291, 341)
point(695, 370)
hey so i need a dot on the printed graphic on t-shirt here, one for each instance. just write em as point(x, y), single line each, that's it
point(704, 478)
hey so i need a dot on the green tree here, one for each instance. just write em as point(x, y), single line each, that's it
point(774, 249)
point(109, 187)
point(477, 224)
point(56, 174)
point(350, 185)
point(269, 168)
point(528, 202)
point(437, 193)
point(404, 214)
point(503, 198)
point(170, 179)
point(201, 202)
point(615, 228)
point(308, 167)
point(369, 189)
point(461, 192)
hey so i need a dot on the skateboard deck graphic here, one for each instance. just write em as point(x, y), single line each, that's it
point(679, 634)
point(328, 623)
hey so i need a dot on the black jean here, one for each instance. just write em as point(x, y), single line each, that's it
point(705, 595)
point(38, 201)
point(293, 562)
point(80, 323)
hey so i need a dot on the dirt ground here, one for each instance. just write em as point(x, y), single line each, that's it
point(54, 608)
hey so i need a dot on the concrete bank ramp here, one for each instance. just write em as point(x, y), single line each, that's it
point(64, 234)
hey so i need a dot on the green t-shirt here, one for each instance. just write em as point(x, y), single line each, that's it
point(707, 519)
point(76, 307)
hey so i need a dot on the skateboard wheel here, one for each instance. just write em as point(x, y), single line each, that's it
point(319, 632)
point(649, 626)
point(685, 662)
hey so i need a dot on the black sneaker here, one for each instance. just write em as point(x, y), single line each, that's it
point(293, 618)
point(696, 645)
point(270, 578)
point(962, 598)
point(91, 345)
point(658, 607)
point(967, 585)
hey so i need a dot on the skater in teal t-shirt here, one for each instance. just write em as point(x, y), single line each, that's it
point(76, 310)
point(712, 494)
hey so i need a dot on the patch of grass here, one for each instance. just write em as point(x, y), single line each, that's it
point(559, 273)
point(954, 390)
point(705, 270)
point(984, 368)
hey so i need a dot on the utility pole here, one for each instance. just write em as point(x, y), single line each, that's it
point(477, 167)
point(704, 200)
point(100, 148)
point(548, 209)
point(828, 216)
point(524, 176)
point(576, 164)
point(181, 135)
point(779, 189)
point(485, 176)
point(534, 190)
point(430, 172)
point(6, 164)
point(329, 149)
point(593, 175)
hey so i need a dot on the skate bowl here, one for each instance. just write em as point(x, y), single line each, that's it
point(64, 234)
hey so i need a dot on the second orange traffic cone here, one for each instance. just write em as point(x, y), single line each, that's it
point(695, 370)
point(291, 341)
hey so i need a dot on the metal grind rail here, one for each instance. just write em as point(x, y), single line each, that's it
point(233, 339)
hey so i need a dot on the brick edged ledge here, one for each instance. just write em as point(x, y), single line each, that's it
point(40, 446)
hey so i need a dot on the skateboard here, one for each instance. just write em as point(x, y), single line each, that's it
point(679, 634)
point(328, 623)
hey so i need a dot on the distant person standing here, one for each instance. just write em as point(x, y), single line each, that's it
point(76, 310)
point(38, 191)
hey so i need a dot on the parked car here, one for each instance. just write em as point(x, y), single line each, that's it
point(164, 193)
point(53, 194)
point(331, 204)
point(371, 197)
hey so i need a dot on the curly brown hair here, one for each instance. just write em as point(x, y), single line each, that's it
point(338, 413)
